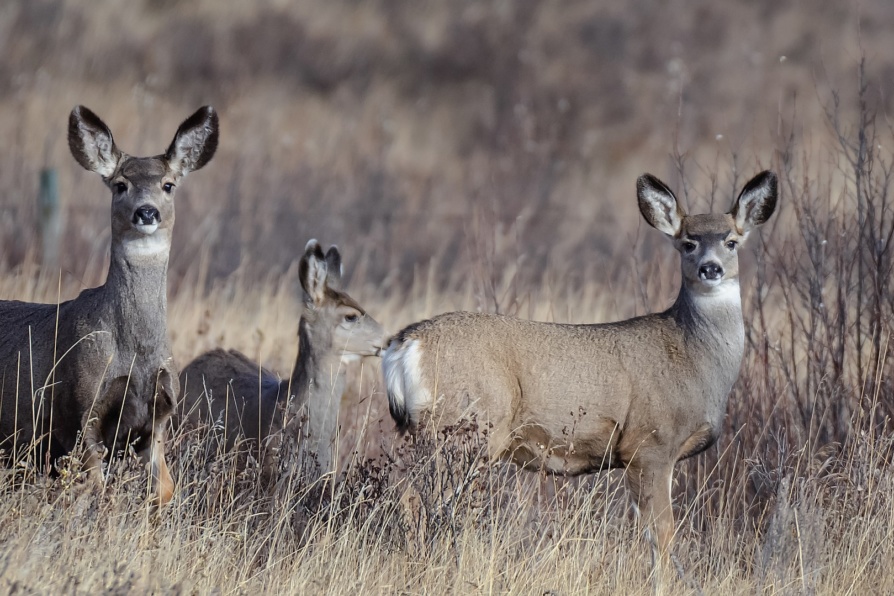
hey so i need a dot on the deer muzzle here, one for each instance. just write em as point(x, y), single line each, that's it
point(146, 219)
point(710, 272)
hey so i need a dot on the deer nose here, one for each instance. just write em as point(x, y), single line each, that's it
point(710, 271)
point(146, 215)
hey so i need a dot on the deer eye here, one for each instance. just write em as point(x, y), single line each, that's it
point(352, 318)
point(689, 246)
point(168, 187)
point(732, 244)
point(120, 187)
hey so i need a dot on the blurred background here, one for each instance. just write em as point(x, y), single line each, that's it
point(419, 134)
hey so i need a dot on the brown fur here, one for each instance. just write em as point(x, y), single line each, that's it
point(574, 399)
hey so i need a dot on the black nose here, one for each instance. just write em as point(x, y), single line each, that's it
point(146, 215)
point(710, 271)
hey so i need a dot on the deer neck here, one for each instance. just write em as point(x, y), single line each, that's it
point(713, 335)
point(316, 370)
point(712, 322)
point(136, 286)
point(713, 341)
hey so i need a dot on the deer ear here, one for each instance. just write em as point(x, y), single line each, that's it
point(195, 142)
point(756, 202)
point(333, 267)
point(313, 272)
point(659, 206)
point(91, 142)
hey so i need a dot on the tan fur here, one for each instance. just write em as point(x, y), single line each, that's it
point(573, 399)
point(100, 366)
point(253, 403)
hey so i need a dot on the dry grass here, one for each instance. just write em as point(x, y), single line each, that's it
point(474, 158)
point(772, 508)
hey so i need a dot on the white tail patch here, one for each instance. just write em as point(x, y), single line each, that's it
point(407, 396)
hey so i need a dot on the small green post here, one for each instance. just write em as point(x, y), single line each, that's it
point(49, 212)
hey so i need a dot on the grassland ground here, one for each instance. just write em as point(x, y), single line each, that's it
point(797, 497)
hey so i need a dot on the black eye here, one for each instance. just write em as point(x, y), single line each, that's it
point(688, 246)
point(353, 318)
point(168, 187)
point(732, 244)
point(120, 187)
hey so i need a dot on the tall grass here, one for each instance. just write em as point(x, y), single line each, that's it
point(797, 497)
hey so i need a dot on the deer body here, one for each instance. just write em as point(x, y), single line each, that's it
point(571, 399)
point(100, 366)
point(253, 403)
point(117, 341)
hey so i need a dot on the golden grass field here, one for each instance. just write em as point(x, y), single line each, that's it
point(480, 156)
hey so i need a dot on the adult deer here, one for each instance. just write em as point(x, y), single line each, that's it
point(253, 403)
point(640, 394)
point(99, 367)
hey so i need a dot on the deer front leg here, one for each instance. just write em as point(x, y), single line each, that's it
point(166, 390)
point(92, 431)
point(94, 452)
point(162, 484)
point(650, 488)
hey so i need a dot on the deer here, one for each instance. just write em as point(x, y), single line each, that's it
point(254, 404)
point(97, 371)
point(639, 394)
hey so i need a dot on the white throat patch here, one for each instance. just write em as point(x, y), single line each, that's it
point(726, 292)
point(146, 246)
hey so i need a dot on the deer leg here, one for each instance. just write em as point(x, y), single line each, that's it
point(94, 451)
point(167, 388)
point(271, 452)
point(650, 488)
point(162, 483)
point(92, 425)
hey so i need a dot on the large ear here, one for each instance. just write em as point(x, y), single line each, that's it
point(91, 142)
point(333, 267)
point(756, 202)
point(195, 142)
point(658, 205)
point(313, 271)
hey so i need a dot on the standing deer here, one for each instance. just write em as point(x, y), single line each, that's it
point(640, 394)
point(253, 402)
point(99, 366)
